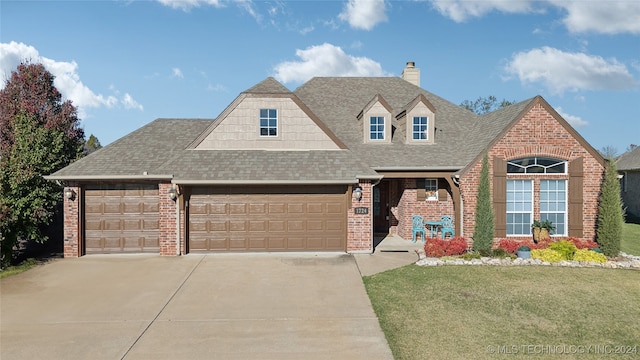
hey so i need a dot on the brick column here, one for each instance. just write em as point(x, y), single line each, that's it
point(167, 208)
point(71, 221)
point(360, 226)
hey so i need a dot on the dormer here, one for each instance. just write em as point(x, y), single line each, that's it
point(376, 121)
point(419, 119)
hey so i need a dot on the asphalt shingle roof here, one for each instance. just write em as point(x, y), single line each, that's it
point(629, 160)
point(162, 147)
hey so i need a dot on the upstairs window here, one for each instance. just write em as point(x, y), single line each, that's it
point(268, 122)
point(537, 165)
point(420, 125)
point(376, 128)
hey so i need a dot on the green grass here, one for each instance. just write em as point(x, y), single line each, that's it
point(17, 269)
point(462, 312)
point(630, 243)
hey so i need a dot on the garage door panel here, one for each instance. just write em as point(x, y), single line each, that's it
point(121, 218)
point(283, 218)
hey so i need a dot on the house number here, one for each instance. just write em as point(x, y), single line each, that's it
point(361, 210)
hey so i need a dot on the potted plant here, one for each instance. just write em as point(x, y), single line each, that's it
point(524, 252)
point(541, 229)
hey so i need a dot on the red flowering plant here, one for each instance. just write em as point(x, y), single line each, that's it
point(511, 246)
point(438, 247)
point(582, 244)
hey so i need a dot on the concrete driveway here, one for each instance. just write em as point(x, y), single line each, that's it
point(222, 306)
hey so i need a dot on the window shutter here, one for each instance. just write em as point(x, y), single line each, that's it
point(421, 194)
point(442, 195)
point(500, 196)
point(576, 174)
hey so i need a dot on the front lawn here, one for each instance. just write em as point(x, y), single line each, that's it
point(478, 312)
point(630, 243)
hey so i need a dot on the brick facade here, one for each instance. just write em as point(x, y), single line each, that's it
point(71, 242)
point(537, 133)
point(167, 214)
point(360, 226)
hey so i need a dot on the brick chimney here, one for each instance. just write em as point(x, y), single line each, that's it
point(411, 73)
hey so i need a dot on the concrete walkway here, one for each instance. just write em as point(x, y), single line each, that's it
point(221, 306)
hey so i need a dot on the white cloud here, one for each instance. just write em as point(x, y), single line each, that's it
point(177, 73)
point(560, 71)
point(129, 103)
point(186, 5)
point(66, 80)
point(607, 17)
point(364, 14)
point(575, 121)
point(325, 60)
point(463, 10)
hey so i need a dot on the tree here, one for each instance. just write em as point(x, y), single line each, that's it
point(39, 134)
point(610, 212)
point(485, 105)
point(484, 228)
point(609, 152)
point(92, 144)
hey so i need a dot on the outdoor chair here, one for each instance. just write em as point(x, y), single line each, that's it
point(417, 224)
point(447, 226)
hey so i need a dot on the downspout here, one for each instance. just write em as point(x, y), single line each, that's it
point(180, 198)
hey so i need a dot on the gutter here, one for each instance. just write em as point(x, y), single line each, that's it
point(264, 182)
point(109, 177)
point(417, 168)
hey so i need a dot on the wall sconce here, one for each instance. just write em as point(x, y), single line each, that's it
point(173, 194)
point(357, 192)
point(69, 193)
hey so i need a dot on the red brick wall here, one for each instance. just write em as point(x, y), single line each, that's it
point(167, 209)
point(408, 205)
point(538, 133)
point(360, 227)
point(71, 226)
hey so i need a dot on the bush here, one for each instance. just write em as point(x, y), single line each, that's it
point(582, 244)
point(439, 247)
point(564, 248)
point(547, 255)
point(471, 256)
point(610, 214)
point(500, 253)
point(589, 256)
point(511, 246)
point(484, 228)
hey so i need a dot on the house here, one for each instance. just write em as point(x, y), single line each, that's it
point(326, 168)
point(628, 165)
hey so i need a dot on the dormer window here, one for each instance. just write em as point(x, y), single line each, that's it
point(376, 128)
point(268, 123)
point(419, 128)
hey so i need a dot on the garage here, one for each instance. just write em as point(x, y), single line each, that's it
point(121, 218)
point(275, 218)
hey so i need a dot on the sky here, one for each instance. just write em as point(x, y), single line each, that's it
point(124, 64)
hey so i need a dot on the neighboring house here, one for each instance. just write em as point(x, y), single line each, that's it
point(326, 168)
point(628, 165)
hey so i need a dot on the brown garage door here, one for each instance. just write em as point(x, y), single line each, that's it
point(121, 218)
point(295, 218)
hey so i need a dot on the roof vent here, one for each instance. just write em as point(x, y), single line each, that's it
point(411, 73)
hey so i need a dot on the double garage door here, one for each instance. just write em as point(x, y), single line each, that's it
point(292, 218)
point(121, 218)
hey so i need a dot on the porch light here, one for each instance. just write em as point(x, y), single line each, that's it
point(69, 193)
point(358, 193)
point(173, 194)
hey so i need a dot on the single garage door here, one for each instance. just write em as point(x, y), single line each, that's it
point(121, 218)
point(293, 218)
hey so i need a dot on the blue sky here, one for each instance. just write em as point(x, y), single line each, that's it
point(126, 63)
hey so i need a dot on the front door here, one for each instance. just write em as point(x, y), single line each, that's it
point(381, 208)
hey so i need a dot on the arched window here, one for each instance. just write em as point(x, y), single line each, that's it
point(537, 165)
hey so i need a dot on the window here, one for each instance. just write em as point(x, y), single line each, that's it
point(268, 122)
point(431, 189)
point(519, 207)
point(420, 125)
point(553, 204)
point(376, 128)
point(537, 165)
